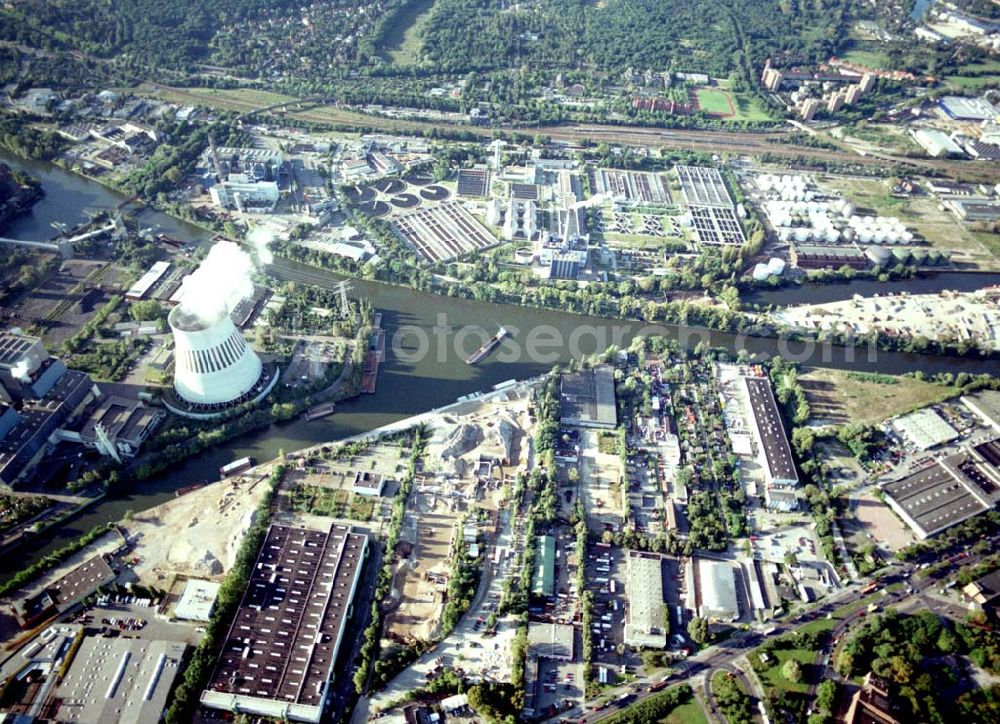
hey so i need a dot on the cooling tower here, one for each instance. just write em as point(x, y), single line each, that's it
point(213, 364)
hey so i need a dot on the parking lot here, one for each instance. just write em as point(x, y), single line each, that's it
point(138, 621)
point(558, 681)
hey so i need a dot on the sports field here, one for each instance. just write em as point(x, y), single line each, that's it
point(715, 101)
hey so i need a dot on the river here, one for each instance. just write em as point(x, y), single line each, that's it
point(920, 8)
point(821, 293)
point(406, 386)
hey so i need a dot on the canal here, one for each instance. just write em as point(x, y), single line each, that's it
point(431, 336)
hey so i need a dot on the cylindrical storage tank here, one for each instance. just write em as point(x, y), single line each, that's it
point(865, 236)
point(523, 255)
point(802, 233)
point(784, 233)
point(213, 364)
point(776, 265)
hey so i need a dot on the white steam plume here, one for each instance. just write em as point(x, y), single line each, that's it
point(21, 371)
point(260, 238)
point(221, 282)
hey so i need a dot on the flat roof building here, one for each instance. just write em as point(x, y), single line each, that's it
point(717, 590)
point(544, 579)
point(366, 482)
point(813, 256)
point(646, 618)
point(925, 429)
point(975, 209)
point(118, 680)
point(278, 657)
point(147, 281)
point(947, 492)
point(937, 143)
point(587, 398)
point(985, 404)
point(550, 641)
point(776, 453)
point(197, 600)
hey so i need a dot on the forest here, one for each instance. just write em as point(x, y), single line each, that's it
point(683, 35)
point(281, 40)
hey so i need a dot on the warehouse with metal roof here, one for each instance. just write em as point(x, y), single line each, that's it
point(645, 616)
point(779, 467)
point(717, 588)
point(118, 680)
point(946, 492)
point(544, 582)
point(925, 429)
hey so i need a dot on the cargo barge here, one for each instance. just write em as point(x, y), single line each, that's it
point(374, 357)
point(236, 466)
point(488, 347)
point(188, 489)
point(319, 411)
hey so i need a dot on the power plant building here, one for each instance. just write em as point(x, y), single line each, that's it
point(214, 367)
point(278, 658)
point(245, 194)
point(37, 396)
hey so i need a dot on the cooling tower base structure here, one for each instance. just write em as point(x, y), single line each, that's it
point(215, 369)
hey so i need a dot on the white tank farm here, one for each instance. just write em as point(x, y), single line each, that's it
point(213, 364)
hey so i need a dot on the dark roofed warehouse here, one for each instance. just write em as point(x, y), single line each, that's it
point(279, 654)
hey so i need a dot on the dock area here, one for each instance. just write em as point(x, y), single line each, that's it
point(374, 358)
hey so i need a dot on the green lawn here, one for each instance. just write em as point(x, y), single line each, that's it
point(749, 108)
point(689, 713)
point(232, 99)
point(713, 100)
point(772, 675)
point(974, 76)
point(869, 59)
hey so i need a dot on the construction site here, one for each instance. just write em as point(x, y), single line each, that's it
point(473, 450)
